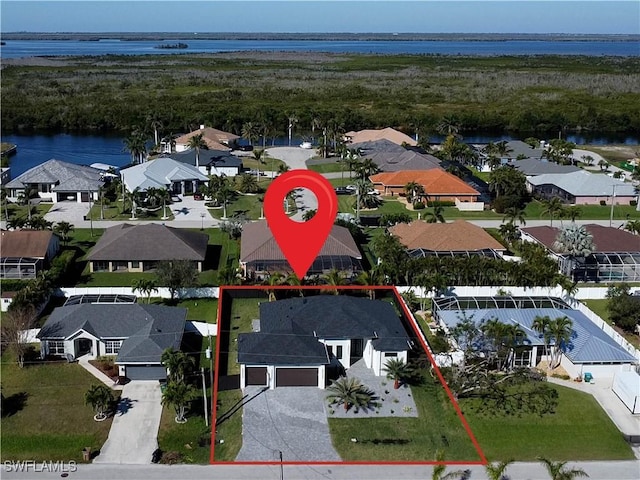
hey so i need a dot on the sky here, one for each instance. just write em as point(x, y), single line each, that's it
point(388, 16)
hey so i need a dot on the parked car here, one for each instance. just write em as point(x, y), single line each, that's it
point(343, 191)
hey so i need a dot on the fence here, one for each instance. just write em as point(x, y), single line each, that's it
point(469, 206)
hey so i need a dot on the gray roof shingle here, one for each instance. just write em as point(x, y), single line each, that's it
point(534, 166)
point(69, 177)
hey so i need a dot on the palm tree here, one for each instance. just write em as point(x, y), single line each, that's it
point(509, 232)
point(293, 119)
point(573, 212)
point(558, 471)
point(335, 278)
point(100, 398)
point(371, 277)
point(496, 471)
point(436, 215)
point(145, 287)
point(575, 242)
point(258, 155)
point(155, 122)
point(178, 395)
point(63, 229)
point(413, 190)
point(366, 167)
point(398, 371)
point(633, 226)
point(250, 132)
point(247, 183)
point(272, 280)
point(560, 331)
point(177, 363)
point(135, 144)
point(133, 198)
point(541, 325)
point(350, 392)
point(449, 125)
point(552, 207)
point(198, 142)
point(441, 467)
point(365, 198)
point(513, 214)
point(164, 195)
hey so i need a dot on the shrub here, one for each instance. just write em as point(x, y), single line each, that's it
point(504, 202)
point(441, 203)
point(603, 203)
point(171, 458)
point(633, 203)
point(62, 264)
point(561, 376)
point(418, 206)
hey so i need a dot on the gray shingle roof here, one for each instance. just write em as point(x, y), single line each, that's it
point(588, 343)
point(391, 157)
point(159, 173)
point(290, 329)
point(533, 166)
point(71, 177)
point(583, 183)
point(147, 329)
point(149, 242)
point(217, 158)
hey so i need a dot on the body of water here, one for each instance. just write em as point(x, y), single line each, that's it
point(109, 149)
point(30, 48)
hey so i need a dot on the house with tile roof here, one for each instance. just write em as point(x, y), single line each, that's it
point(438, 185)
point(616, 256)
point(139, 248)
point(260, 254)
point(210, 162)
point(134, 334)
point(163, 173)
point(589, 349)
point(306, 341)
point(214, 138)
point(390, 134)
point(25, 253)
point(458, 238)
point(58, 181)
point(582, 188)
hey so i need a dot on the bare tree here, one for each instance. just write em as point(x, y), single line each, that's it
point(14, 324)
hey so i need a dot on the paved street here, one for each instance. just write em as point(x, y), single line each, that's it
point(620, 470)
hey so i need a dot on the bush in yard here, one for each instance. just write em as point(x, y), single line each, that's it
point(100, 397)
point(603, 203)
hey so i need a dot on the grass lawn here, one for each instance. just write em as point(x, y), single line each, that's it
point(53, 422)
point(20, 211)
point(599, 307)
point(407, 439)
point(484, 176)
point(329, 167)
point(243, 310)
point(268, 163)
point(113, 212)
point(578, 430)
point(191, 439)
point(229, 429)
point(248, 205)
point(533, 211)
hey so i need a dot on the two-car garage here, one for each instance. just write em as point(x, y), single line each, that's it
point(284, 376)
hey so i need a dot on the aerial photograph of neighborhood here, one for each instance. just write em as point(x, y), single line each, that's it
point(446, 284)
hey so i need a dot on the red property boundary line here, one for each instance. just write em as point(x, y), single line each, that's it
point(483, 460)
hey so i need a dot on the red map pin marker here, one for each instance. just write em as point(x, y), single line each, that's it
point(300, 241)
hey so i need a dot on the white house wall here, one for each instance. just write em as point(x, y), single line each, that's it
point(597, 370)
point(367, 354)
point(345, 359)
point(380, 360)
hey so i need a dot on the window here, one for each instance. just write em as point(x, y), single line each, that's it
point(111, 347)
point(135, 264)
point(390, 354)
point(330, 349)
point(339, 351)
point(56, 347)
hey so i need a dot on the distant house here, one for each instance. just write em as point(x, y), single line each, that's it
point(532, 167)
point(306, 341)
point(616, 257)
point(25, 253)
point(581, 188)
point(211, 162)
point(458, 238)
point(261, 256)
point(58, 181)
point(214, 138)
point(139, 248)
point(388, 133)
point(163, 172)
point(391, 157)
point(516, 149)
point(438, 185)
point(136, 335)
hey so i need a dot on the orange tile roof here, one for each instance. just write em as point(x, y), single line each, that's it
point(438, 237)
point(434, 181)
point(386, 133)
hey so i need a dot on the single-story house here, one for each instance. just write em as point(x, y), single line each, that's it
point(211, 162)
point(163, 172)
point(214, 138)
point(581, 188)
point(532, 167)
point(589, 349)
point(391, 157)
point(515, 149)
point(390, 134)
point(458, 238)
point(437, 184)
point(260, 254)
point(135, 334)
point(306, 341)
point(25, 253)
point(58, 181)
point(616, 257)
point(139, 248)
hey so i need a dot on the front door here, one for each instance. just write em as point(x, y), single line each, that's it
point(357, 348)
point(84, 347)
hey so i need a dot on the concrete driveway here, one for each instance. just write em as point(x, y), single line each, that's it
point(72, 212)
point(291, 420)
point(294, 157)
point(134, 432)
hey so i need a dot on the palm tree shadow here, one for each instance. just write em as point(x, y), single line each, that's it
point(14, 403)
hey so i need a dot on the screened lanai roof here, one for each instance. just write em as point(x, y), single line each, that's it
point(421, 253)
point(17, 261)
point(320, 264)
point(618, 258)
point(100, 298)
point(588, 343)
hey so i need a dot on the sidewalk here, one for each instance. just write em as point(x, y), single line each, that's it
point(84, 363)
